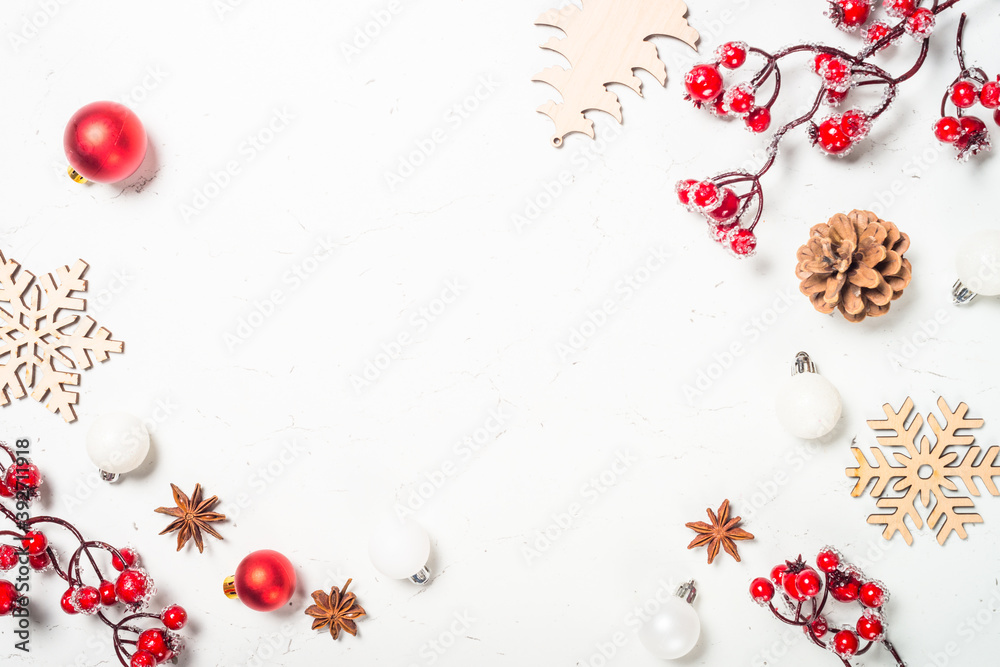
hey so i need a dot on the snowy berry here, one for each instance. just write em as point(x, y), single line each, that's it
point(174, 617)
point(8, 598)
point(744, 244)
point(8, 557)
point(790, 583)
point(703, 83)
point(989, 96)
point(155, 642)
point(834, 98)
point(723, 232)
point(778, 573)
point(845, 589)
point(683, 189)
point(808, 583)
point(975, 137)
point(845, 643)
point(40, 562)
point(996, 116)
point(23, 479)
point(948, 129)
point(758, 120)
point(870, 627)
point(67, 601)
point(856, 124)
point(819, 62)
point(729, 205)
point(134, 588)
point(872, 594)
point(705, 196)
point(964, 94)
point(819, 627)
point(899, 9)
point(128, 558)
point(761, 590)
point(108, 595)
point(876, 32)
point(740, 99)
point(830, 137)
point(718, 107)
point(920, 24)
point(836, 74)
point(87, 600)
point(34, 543)
point(849, 14)
point(142, 659)
point(827, 560)
point(732, 55)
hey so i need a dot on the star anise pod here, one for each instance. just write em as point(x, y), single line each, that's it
point(193, 516)
point(723, 532)
point(336, 611)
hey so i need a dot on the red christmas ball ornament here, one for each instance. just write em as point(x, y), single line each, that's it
point(264, 581)
point(104, 142)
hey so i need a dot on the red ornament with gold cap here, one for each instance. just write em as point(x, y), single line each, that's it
point(104, 142)
point(264, 581)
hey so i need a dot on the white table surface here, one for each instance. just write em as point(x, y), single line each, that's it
point(208, 77)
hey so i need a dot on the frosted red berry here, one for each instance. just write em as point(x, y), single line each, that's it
point(761, 590)
point(830, 136)
point(722, 233)
point(743, 243)
point(87, 600)
point(174, 617)
point(808, 583)
point(728, 207)
point(740, 99)
point(778, 573)
point(66, 602)
point(819, 627)
point(705, 195)
point(133, 587)
point(683, 189)
point(989, 95)
point(8, 598)
point(108, 595)
point(836, 74)
point(40, 561)
point(899, 9)
point(876, 32)
point(849, 14)
point(964, 94)
point(155, 642)
point(920, 24)
point(5, 491)
point(845, 643)
point(34, 543)
point(872, 594)
point(143, 659)
point(975, 136)
point(996, 116)
point(703, 83)
point(8, 557)
point(948, 129)
point(23, 479)
point(828, 560)
point(758, 120)
point(820, 61)
point(129, 558)
point(870, 627)
point(846, 591)
point(856, 124)
point(732, 55)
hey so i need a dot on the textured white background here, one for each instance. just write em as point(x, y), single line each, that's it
point(204, 81)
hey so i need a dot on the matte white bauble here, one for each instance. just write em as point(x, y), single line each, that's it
point(807, 404)
point(673, 631)
point(400, 549)
point(117, 443)
point(978, 263)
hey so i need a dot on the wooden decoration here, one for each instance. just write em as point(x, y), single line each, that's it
point(926, 471)
point(35, 336)
point(605, 42)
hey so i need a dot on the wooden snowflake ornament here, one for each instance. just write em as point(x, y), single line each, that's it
point(927, 471)
point(605, 42)
point(40, 346)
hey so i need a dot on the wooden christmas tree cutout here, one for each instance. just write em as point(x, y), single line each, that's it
point(35, 336)
point(605, 42)
point(926, 471)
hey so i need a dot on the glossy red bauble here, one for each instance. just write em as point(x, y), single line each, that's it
point(703, 83)
point(845, 643)
point(174, 617)
point(105, 142)
point(8, 598)
point(264, 581)
point(761, 590)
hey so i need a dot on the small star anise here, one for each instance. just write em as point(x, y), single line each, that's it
point(193, 516)
point(336, 611)
point(722, 532)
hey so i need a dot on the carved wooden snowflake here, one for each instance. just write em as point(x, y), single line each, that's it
point(40, 346)
point(927, 472)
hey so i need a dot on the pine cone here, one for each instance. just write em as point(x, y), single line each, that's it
point(854, 263)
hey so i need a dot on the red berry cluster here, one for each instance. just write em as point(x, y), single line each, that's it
point(132, 588)
point(973, 86)
point(706, 88)
point(839, 73)
point(801, 587)
point(722, 208)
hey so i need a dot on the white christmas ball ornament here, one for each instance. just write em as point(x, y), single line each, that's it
point(808, 406)
point(978, 264)
point(400, 549)
point(117, 443)
point(674, 630)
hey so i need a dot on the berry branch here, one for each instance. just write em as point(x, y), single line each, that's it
point(733, 217)
point(800, 587)
point(132, 588)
